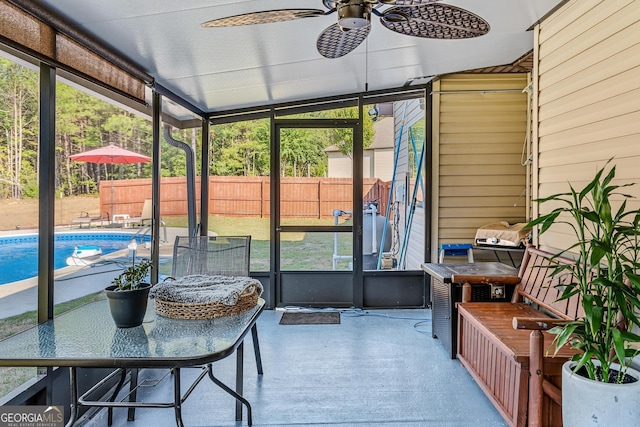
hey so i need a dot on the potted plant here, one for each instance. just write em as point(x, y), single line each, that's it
point(128, 295)
point(605, 278)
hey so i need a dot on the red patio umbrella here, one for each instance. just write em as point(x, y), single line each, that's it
point(111, 154)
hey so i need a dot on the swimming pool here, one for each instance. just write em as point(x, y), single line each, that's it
point(19, 254)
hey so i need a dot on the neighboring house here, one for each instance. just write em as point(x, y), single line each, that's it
point(377, 158)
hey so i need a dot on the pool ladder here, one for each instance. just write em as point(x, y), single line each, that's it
point(146, 229)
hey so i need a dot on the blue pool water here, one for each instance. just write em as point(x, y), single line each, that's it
point(19, 254)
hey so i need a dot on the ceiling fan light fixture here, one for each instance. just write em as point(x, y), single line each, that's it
point(351, 23)
point(352, 16)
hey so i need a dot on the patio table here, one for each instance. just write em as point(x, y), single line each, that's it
point(87, 337)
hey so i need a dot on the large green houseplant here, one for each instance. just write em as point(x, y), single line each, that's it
point(128, 295)
point(605, 277)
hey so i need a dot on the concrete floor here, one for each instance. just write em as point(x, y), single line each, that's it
point(376, 368)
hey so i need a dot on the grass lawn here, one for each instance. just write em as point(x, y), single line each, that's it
point(299, 251)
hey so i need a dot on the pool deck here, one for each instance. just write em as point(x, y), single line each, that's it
point(74, 282)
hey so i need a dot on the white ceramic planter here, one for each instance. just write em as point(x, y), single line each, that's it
point(591, 403)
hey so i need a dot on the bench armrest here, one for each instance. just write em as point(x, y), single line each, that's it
point(536, 323)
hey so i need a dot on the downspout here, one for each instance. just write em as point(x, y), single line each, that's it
point(191, 179)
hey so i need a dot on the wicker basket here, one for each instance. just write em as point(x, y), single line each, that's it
point(207, 310)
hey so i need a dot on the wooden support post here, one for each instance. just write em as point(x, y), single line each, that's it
point(466, 292)
point(536, 354)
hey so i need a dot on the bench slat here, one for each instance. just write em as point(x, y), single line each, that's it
point(495, 320)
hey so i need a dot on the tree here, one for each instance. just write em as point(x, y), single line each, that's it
point(84, 122)
point(18, 118)
point(240, 149)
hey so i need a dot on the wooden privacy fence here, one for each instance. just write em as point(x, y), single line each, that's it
point(244, 196)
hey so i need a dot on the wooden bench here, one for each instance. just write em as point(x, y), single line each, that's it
point(510, 363)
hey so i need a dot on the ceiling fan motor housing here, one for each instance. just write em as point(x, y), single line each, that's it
point(354, 14)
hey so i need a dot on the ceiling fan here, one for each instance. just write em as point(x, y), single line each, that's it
point(418, 18)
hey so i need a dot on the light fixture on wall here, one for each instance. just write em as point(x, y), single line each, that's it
point(374, 112)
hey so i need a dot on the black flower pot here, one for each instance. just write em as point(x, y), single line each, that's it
point(128, 307)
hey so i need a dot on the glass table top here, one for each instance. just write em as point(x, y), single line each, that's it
point(87, 336)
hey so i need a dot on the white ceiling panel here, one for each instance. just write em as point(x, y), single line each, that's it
point(225, 68)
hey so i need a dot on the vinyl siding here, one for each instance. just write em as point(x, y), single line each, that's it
point(407, 114)
point(479, 125)
point(587, 81)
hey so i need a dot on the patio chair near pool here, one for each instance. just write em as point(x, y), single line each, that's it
point(145, 215)
point(84, 218)
point(144, 220)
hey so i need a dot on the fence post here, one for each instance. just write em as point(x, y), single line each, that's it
point(319, 199)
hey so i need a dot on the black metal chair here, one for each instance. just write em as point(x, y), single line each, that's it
point(213, 256)
point(218, 256)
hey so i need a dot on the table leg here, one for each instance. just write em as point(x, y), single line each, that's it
point(232, 393)
point(73, 383)
point(256, 348)
point(239, 378)
point(123, 375)
point(133, 392)
point(177, 397)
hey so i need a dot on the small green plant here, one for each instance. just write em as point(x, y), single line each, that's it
point(604, 276)
point(131, 277)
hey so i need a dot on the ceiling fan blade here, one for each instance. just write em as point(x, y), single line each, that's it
point(265, 17)
point(435, 21)
point(406, 2)
point(334, 42)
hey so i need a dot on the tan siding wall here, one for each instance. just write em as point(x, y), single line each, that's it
point(588, 98)
point(383, 164)
point(480, 127)
point(368, 158)
point(339, 166)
